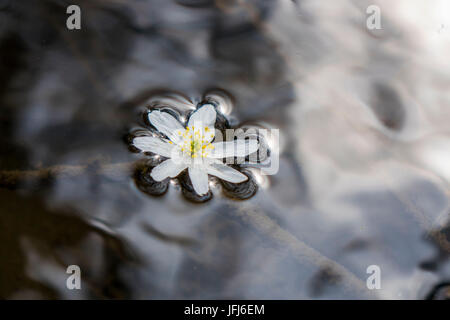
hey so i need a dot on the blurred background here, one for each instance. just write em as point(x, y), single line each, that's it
point(364, 165)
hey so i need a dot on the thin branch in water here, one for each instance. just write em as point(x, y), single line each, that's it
point(300, 250)
point(14, 179)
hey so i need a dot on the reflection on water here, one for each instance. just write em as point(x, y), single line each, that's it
point(363, 178)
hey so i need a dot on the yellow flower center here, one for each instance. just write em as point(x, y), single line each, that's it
point(194, 142)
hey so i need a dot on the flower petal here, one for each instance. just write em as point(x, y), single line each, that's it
point(153, 144)
point(206, 115)
point(166, 124)
point(168, 168)
point(225, 172)
point(204, 119)
point(235, 148)
point(199, 179)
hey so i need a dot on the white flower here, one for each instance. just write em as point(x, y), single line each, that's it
point(191, 148)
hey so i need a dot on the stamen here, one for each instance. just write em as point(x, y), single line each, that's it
point(195, 143)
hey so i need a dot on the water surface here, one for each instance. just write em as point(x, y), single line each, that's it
point(364, 169)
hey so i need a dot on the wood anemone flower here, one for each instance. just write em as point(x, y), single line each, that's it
point(192, 148)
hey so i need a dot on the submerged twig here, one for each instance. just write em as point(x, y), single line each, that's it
point(300, 250)
point(13, 179)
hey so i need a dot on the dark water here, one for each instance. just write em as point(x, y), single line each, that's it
point(364, 168)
